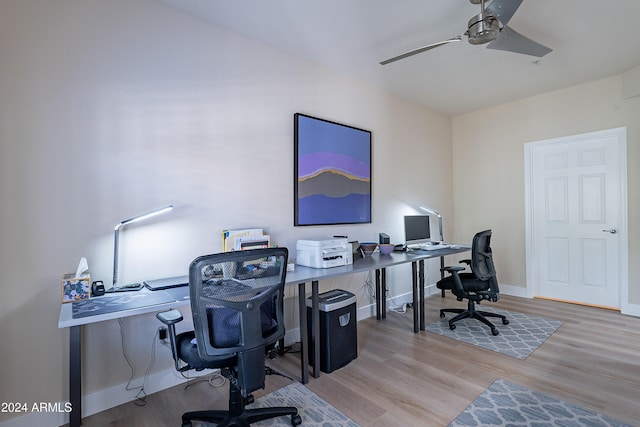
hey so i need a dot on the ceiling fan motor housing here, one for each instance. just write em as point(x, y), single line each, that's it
point(483, 28)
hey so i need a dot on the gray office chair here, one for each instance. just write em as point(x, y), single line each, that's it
point(236, 303)
point(479, 285)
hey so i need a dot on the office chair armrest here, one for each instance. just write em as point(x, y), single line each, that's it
point(457, 290)
point(465, 261)
point(170, 318)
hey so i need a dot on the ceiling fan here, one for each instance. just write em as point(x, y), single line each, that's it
point(489, 26)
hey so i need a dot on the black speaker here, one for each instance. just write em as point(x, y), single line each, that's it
point(384, 238)
point(97, 288)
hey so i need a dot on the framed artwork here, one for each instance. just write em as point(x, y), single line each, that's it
point(332, 172)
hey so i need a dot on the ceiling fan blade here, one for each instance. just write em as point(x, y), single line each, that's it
point(503, 9)
point(420, 50)
point(512, 41)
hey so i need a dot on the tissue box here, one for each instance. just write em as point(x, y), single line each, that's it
point(75, 288)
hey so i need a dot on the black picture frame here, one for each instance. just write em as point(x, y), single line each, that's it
point(332, 172)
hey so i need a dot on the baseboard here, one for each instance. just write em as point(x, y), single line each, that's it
point(406, 298)
point(514, 291)
point(37, 419)
point(519, 291)
point(397, 301)
point(631, 310)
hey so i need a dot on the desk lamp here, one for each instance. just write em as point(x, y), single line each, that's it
point(431, 211)
point(141, 217)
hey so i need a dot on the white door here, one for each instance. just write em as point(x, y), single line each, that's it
point(576, 190)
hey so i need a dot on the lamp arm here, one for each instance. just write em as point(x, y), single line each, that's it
point(431, 211)
point(116, 242)
point(116, 238)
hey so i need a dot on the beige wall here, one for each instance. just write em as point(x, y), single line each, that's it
point(488, 153)
point(112, 108)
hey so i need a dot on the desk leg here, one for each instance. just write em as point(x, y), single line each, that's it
point(442, 273)
point(304, 337)
point(383, 305)
point(281, 347)
point(421, 284)
point(315, 327)
point(416, 302)
point(379, 296)
point(75, 376)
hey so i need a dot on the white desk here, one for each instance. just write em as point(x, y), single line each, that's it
point(144, 301)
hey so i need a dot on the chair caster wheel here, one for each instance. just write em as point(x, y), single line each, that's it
point(296, 420)
point(452, 327)
point(441, 315)
point(249, 399)
point(505, 322)
point(495, 331)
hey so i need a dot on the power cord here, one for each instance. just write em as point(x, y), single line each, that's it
point(293, 348)
point(141, 396)
point(216, 379)
point(400, 309)
point(270, 371)
point(369, 286)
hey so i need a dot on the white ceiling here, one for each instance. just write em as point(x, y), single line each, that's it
point(591, 39)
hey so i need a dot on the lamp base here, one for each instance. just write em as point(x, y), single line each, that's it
point(126, 288)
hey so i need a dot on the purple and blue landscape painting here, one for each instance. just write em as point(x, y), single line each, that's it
point(333, 173)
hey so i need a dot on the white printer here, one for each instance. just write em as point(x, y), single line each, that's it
point(324, 252)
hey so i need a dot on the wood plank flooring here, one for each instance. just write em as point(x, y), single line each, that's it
point(406, 379)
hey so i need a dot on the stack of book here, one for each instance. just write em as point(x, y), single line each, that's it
point(244, 238)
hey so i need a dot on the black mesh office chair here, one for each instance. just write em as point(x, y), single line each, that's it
point(479, 285)
point(236, 303)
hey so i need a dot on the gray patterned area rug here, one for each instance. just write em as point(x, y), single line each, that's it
point(315, 412)
point(518, 339)
point(508, 404)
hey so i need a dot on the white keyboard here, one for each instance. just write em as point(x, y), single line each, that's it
point(434, 247)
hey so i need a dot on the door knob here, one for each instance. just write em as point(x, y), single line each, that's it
point(612, 231)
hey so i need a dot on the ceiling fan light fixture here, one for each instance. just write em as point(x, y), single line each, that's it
point(482, 29)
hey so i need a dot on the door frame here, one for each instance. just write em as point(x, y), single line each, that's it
point(623, 229)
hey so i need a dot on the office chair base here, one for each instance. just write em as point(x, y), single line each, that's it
point(471, 312)
point(238, 415)
point(245, 419)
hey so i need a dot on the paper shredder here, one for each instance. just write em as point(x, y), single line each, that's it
point(338, 330)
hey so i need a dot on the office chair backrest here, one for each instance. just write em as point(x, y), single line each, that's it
point(236, 300)
point(481, 257)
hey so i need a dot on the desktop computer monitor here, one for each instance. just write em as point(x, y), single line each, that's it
point(416, 229)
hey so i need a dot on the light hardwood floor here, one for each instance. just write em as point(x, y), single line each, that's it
point(406, 379)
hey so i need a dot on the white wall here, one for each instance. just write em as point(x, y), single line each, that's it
point(488, 151)
point(111, 108)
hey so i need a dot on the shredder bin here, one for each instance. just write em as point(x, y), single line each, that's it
point(338, 330)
